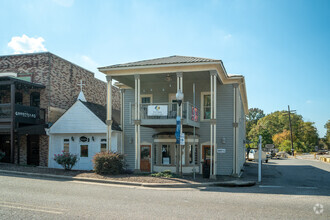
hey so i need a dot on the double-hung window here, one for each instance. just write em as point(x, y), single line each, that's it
point(66, 145)
point(206, 105)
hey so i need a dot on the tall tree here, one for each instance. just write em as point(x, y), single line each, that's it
point(255, 114)
point(327, 135)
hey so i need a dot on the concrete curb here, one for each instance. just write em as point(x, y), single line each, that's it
point(234, 183)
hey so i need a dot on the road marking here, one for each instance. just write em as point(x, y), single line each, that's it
point(33, 206)
point(307, 187)
point(265, 186)
point(30, 209)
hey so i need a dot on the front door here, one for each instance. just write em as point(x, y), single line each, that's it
point(145, 158)
point(206, 154)
point(33, 150)
point(5, 147)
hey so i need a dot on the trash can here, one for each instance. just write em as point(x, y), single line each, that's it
point(206, 169)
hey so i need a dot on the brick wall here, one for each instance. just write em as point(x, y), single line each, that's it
point(61, 79)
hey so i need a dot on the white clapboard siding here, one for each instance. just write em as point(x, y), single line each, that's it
point(78, 119)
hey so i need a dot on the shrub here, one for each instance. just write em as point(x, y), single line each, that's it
point(2, 155)
point(165, 173)
point(66, 160)
point(108, 163)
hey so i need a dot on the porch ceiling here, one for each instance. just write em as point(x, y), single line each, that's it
point(128, 80)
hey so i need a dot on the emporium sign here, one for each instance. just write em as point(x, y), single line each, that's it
point(157, 110)
point(26, 114)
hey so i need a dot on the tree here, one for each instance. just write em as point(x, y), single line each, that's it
point(274, 128)
point(327, 135)
point(255, 114)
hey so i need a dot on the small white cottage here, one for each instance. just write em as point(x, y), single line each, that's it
point(82, 130)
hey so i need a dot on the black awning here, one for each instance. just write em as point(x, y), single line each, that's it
point(34, 129)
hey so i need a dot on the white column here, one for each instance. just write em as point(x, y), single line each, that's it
point(137, 77)
point(215, 125)
point(122, 120)
point(109, 112)
point(211, 124)
point(139, 124)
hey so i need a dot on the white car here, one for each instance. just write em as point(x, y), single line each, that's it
point(254, 155)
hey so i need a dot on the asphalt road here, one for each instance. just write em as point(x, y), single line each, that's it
point(29, 198)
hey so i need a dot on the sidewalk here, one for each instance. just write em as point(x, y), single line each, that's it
point(141, 181)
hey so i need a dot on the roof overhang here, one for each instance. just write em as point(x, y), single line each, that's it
point(183, 67)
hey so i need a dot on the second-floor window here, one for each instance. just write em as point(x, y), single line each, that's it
point(206, 105)
point(18, 98)
point(35, 99)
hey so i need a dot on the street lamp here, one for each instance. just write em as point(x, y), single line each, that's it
point(179, 98)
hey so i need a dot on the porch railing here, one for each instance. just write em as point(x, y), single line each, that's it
point(167, 111)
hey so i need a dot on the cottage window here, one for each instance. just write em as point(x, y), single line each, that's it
point(66, 146)
point(206, 105)
point(83, 150)
point(103, 145)
point(166, 154)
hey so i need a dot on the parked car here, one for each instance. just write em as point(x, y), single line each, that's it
point(254, 155)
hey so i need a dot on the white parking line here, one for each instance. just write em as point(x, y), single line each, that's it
point(307, 187)
point(265, 186)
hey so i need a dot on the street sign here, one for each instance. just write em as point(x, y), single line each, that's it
point(182, 141)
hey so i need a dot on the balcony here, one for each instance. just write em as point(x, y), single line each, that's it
point(23, 114)
point(159, 115)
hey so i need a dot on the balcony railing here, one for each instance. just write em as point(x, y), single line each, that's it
point(165, 114)
point(23, 114)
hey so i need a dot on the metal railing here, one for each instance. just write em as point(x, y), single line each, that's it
point(167, 111)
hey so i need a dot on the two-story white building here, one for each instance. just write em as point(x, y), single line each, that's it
point(214, 126)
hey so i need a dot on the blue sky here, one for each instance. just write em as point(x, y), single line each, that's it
point(281, 47)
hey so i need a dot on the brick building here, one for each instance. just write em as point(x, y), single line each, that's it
point(35, 90)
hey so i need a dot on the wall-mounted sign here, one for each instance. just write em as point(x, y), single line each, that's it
point(27, 114)
point(221, 150)
point(83, 139)
point(157, 110)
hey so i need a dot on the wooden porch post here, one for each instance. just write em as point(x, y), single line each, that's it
point(12, 128)
point(109, 112)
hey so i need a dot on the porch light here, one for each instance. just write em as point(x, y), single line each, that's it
point(179, 97)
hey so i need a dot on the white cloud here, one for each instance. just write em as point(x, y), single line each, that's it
point(309, 102)
point(26, 44)
point(64, 3)
point(228, 36)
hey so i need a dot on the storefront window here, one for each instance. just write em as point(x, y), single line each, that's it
point(166, 154)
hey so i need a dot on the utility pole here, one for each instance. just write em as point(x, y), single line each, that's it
point(292, 149)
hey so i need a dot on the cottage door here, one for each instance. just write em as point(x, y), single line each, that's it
point(145, 158)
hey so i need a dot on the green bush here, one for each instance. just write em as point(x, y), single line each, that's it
point(108, 163)
point(2, 155)
point(66, 160)
point(165, 174)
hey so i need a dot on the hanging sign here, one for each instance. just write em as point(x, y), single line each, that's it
point(182, 141)
point(177, 130)
point(157, 110)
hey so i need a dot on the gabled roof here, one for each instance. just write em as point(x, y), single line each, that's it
point(164, 60)
point(101, 112)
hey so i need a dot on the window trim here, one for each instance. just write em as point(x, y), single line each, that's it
point(202, 105)
point(146, 96)
point(63, 142)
